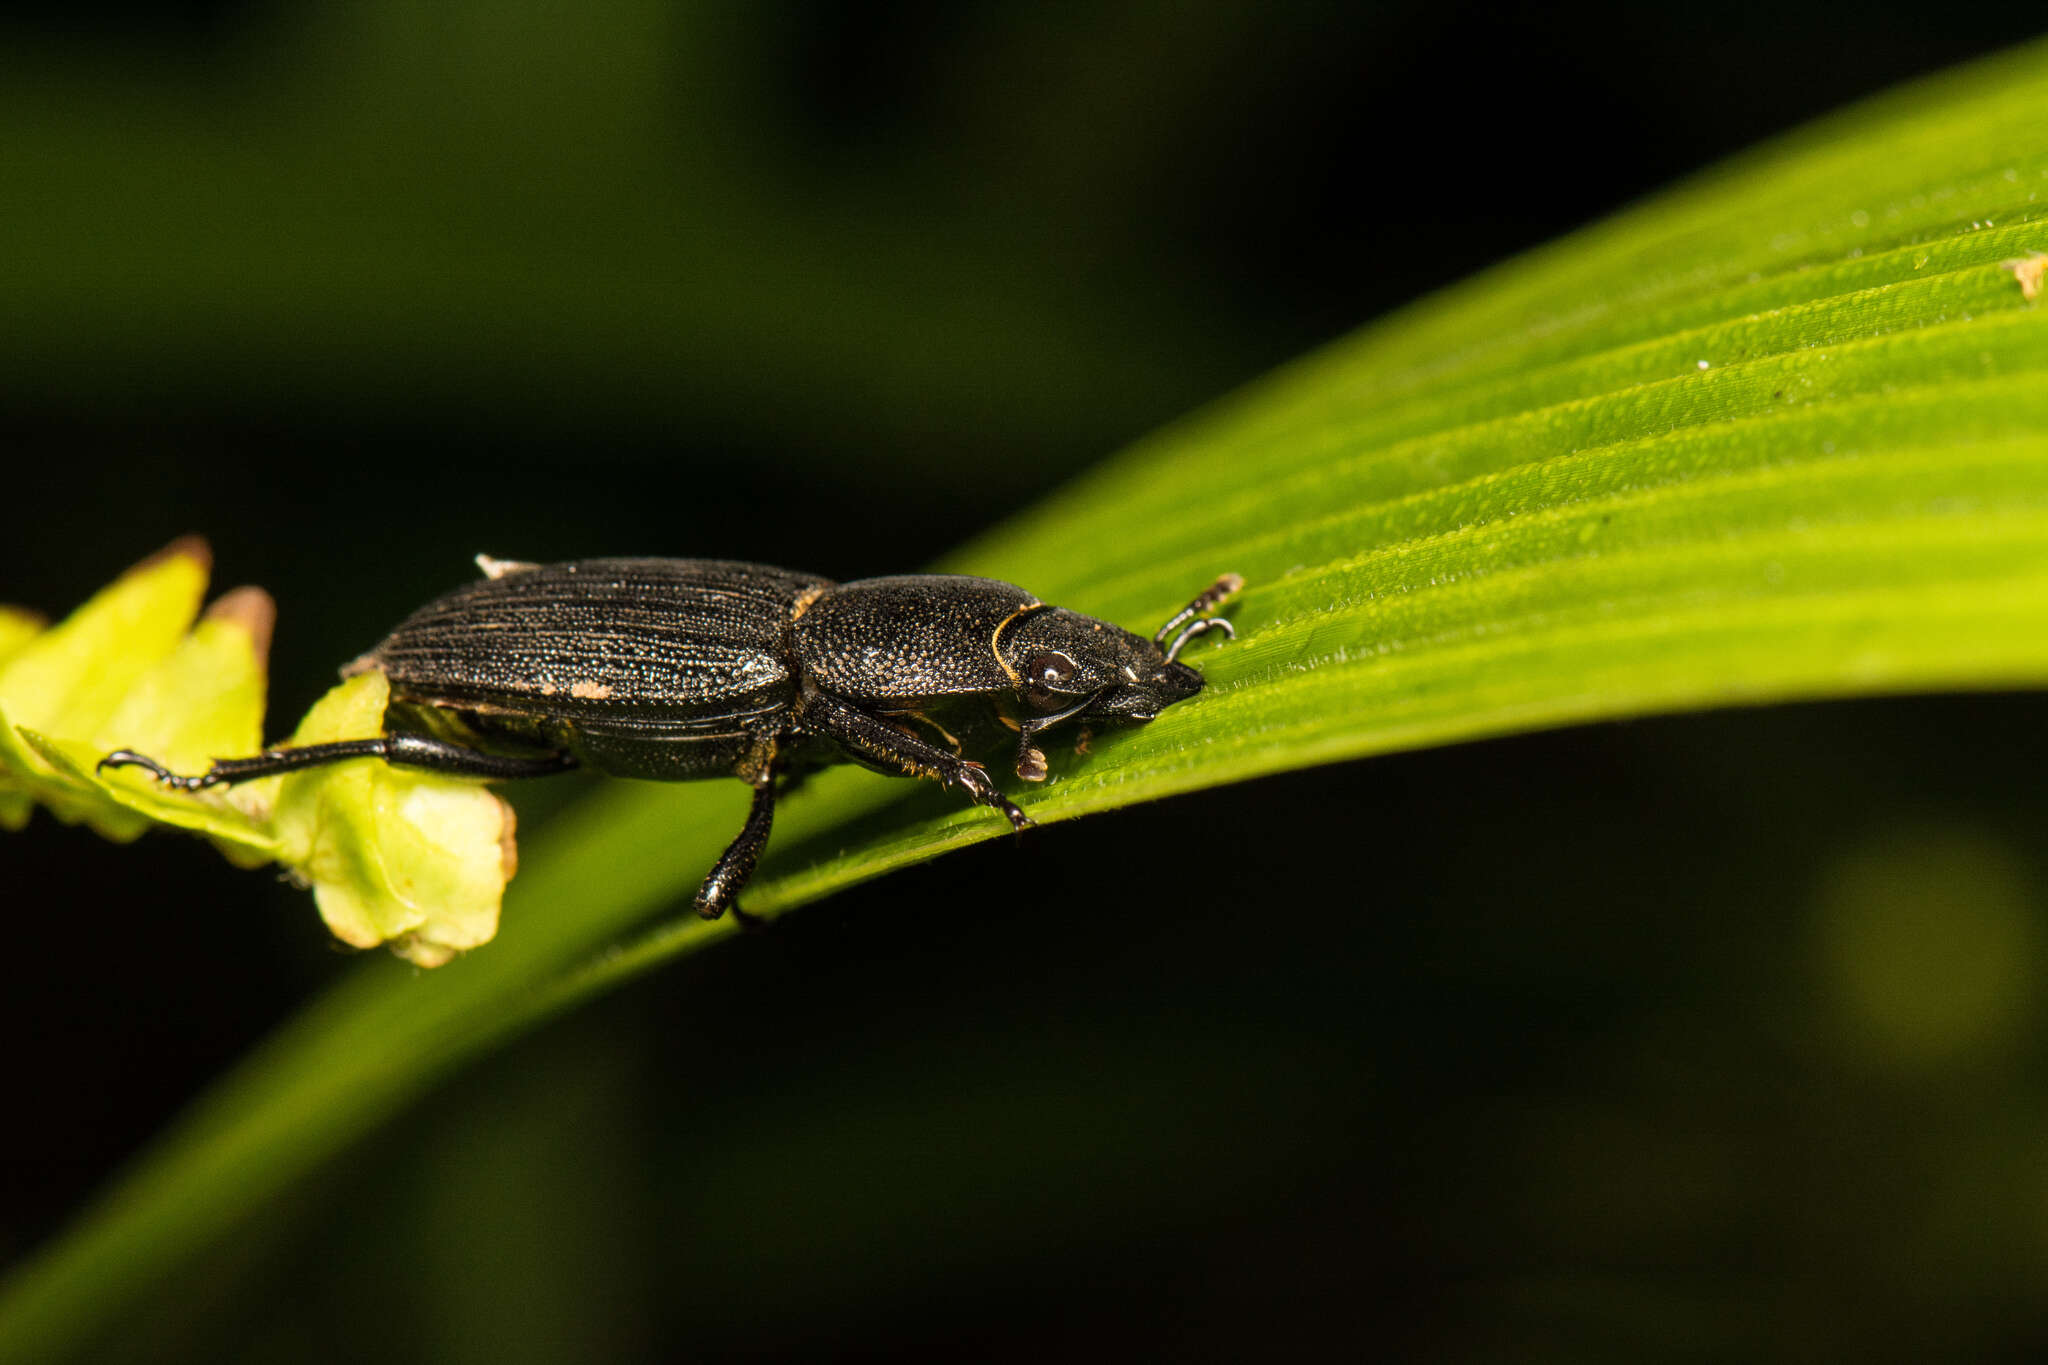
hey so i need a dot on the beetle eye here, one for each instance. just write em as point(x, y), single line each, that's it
point(1044, 672)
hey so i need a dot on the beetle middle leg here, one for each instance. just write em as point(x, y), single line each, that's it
point(896, 749)
point(735, 867)
point(412, 751)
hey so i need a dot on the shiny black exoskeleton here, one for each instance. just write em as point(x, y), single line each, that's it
point(675, 669)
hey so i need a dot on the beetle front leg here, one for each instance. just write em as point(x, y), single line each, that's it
point(896, 749)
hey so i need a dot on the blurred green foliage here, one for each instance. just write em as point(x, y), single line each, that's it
point(567, 215)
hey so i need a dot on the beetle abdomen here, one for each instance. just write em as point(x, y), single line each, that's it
point(688, 639)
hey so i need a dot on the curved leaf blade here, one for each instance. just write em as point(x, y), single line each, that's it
point(1777, 434)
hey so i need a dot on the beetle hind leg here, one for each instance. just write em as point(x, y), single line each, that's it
point(412, 751)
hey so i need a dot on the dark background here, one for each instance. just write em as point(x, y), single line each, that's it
point(1699, 1037)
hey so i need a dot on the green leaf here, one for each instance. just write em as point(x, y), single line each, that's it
point(70, 680)
point(395, 855)
point(1782, 432)
point(204, 698)
point(208, 813)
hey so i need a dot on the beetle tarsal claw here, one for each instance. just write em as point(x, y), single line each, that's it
point(972, 778)
point(128, 758)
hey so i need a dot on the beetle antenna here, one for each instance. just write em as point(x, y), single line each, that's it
point(1201, 627)
point(1206, 601)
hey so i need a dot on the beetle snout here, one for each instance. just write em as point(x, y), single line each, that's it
point(1176, 682)
point(1151, 694)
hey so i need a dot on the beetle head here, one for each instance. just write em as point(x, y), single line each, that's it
point(1064, 659)
point(1069, 665)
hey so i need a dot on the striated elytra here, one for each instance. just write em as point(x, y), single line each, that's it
point(676, 669)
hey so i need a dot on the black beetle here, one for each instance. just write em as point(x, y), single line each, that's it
point(675, 669)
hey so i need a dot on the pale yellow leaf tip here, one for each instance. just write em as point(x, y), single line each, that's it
point(2029, 270)
point(252, 610)
point(192, 547)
